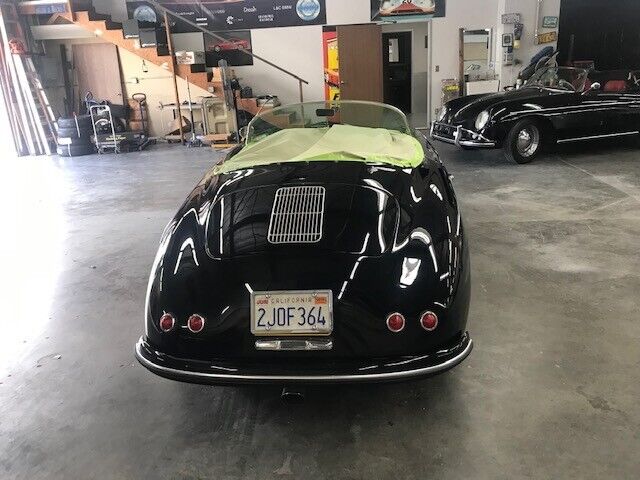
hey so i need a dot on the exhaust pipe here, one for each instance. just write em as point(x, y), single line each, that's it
point(292, 395)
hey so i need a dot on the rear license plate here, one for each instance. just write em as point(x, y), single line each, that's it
point(292, 313)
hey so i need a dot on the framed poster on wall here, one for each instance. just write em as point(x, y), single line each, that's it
point(228, 49)
point(407, 10)
point(223, 15)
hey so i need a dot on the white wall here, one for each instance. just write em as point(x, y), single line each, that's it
point(473, 15)
point(528, 48)
point(346, 12)
point(297, 49)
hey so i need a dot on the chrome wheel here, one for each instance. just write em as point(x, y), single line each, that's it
point(528, 141)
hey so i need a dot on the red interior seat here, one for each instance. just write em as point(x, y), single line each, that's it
point(615, 86)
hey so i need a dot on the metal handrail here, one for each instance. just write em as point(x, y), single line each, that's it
point(218, 37)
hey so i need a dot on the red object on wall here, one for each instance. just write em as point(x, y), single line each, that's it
point(232, 44)
point(17, 47)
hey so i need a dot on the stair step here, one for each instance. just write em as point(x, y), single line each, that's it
point(156, 37)
point(198, 68)
point(132, 27)
point(163, 51)
point(111, 25)
point(95, 16)
point(149, 38)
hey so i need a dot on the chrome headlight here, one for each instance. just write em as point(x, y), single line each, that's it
point(482, 120)
point(443, 113)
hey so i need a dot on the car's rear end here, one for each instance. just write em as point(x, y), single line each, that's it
point(311, 272)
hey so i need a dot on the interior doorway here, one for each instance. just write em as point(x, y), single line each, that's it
point(397, 69)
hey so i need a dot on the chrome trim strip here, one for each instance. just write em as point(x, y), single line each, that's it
point(587, 106)
point(294, 345)
point(444, 139)
point(482, 142)
point(452, 362)
point(595, 137)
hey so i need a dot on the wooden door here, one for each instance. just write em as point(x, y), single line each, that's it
point(359, 47)
point(97, 68)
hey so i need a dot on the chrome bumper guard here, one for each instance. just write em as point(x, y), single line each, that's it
point(462, 137)
point(236, 372)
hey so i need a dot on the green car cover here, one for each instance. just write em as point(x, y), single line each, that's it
point(337, 143)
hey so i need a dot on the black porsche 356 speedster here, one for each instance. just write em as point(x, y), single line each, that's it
point(557, 105)
point(327, 248)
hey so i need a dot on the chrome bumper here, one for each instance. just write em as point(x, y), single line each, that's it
point(462, 137)
point(218, 373)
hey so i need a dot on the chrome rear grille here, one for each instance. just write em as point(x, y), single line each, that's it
point(297, 215)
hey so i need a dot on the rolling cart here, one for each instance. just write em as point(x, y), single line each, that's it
point(105, 143)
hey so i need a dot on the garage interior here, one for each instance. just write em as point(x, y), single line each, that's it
point(551, 388)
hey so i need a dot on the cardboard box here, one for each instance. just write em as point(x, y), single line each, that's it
point(215, 75)
point(190, 58)
point(137, 126)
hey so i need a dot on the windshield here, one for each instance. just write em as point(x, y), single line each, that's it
point(559, 78)
point(327, 114)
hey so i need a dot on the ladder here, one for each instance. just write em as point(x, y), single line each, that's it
point(46, 115)
point(35, 115)
point(35, 120)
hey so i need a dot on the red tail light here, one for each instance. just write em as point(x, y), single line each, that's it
point(429, 321)
point(167, 322)
point(395, 322)
point(195, 323)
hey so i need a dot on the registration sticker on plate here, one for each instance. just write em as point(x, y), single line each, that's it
point(292, 313)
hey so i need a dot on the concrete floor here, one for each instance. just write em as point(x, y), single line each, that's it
point(551, 390)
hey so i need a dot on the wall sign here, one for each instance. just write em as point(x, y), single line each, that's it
point(229, 48)
point(550, 22)
point(248, 14)
point(511, 18)
point(507, 57)
point(549, 37)
point(407, 10)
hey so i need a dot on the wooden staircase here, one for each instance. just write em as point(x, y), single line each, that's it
point(104, 27)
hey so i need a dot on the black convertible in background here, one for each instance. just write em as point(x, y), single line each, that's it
point(328, 248)
point(557, 105)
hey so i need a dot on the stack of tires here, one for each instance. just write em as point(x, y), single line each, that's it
point(74, 136)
